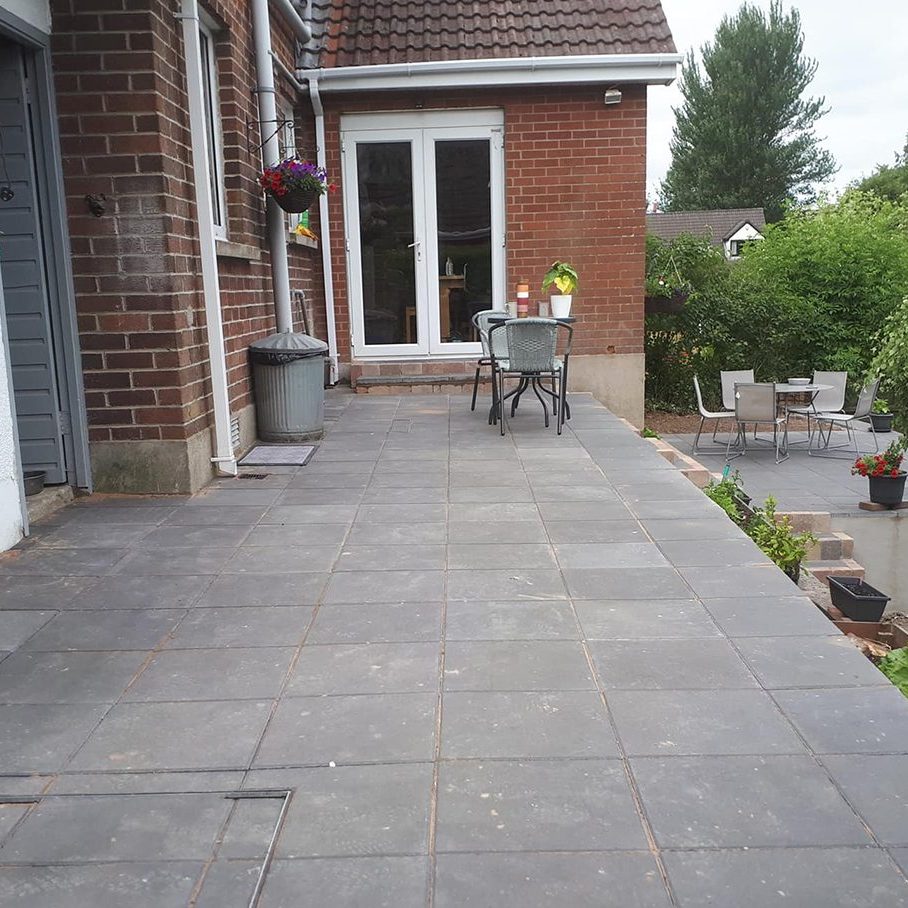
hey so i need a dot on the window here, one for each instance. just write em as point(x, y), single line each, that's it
point(213, 129)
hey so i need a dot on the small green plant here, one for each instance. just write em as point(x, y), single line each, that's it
point(728, 493)
point(894, 665)
point(880, 406)
point(647, 432)
point(563, 276)
point(776, 538)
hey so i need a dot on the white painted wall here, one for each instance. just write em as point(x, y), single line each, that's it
point(35, 12)
point(746, 231)
point(10, 488)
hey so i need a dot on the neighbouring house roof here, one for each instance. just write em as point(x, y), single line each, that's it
point(716, 225)
point(376, 32)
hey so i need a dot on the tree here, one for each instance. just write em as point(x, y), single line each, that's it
point(888, 181)
point(744, 135)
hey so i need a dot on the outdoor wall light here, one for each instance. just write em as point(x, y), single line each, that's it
point(612, 96)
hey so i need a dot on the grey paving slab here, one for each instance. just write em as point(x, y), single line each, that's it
point(275, 625)
point(227, 881)
point(626, 583)
point(250, 829)
point(401, 513)
point(302, 535)
point(583, 510)
point(71, 677)
point(748, 580)
point(755, 878)
point(130, 737)
point(368, 882)
point(510, 621)
point(764, 616)
point(691, 528)
point(76, 562)
point(319, 496)
point(10, 815)
point(614, 619)
point(536, 806)
point(416, 557)
point(257, 589)
point(109, 885)
point(365, 668)
point(225, 515)
point(39, 593)
point(397, 534)
point(42, 738)
point(172, 560)
point(744, 801)
point(516, 665)
point(670, 664)
point(105, 629)
point(545, 880)
point(17, 626)
point(516, 724)
point(350, 729)
point(701, 722)
point(118, 827)
point(385, 586)
point(421, 495)
point(490, 555)
point(300, 514)
point(102, 535)
point(476, 532)
point(900, 856)
point(353, 810)
point(570, 532)
point(209, 497)
point(498, 511)
point(514, 584)
point(154, 511)
point(376, 622)
point(281, 559)
point(141, 591)
point(877, 787)
point(609, 555)
point(235, 673)
point(843, 721)
point(815, 661)
point(170, 537)
point(693, 553)
point(156, 782)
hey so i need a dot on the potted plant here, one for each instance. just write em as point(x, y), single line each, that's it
point(565, 278)
point(295, 184)
point(884, 472)
point(857, 600)
point(880, 416)
point(777, 540)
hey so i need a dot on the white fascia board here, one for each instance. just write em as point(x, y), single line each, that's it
point(648, 69)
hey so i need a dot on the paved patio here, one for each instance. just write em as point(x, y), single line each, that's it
point(491, 671)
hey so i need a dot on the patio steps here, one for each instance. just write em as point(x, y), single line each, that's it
point(841, 567)
point(831, 547)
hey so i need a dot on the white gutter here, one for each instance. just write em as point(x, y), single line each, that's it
point(211, 291)
point(269, 125)
point(325, 227)
point(649, 69)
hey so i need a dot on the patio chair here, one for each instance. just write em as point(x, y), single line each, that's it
point(862, 411)
point(705, 415)
point(756, 403)
point(481, 323)
point(831, 401)
point(531, 346)
point(729, 379)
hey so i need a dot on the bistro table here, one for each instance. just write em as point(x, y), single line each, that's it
point(528, 381)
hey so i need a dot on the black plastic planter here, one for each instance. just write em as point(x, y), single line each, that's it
point(887, 490)
point(296, 201)
point(857, 600)
point(881, 422)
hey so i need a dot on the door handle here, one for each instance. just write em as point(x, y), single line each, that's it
point(417, 244)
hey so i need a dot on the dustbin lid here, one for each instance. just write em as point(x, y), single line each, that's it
point(298, 345)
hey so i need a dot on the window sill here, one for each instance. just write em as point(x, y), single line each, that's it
point(294, 239)
point(227, 250)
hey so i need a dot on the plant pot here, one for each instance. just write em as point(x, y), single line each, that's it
point(33, 480)
point(856, 599)
point(793, 573)
point(665, 305)
point(887, 490)
point(561, 305)
point(296, 201)
point(881, 422)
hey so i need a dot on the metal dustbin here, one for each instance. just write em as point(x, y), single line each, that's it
point(288, 373)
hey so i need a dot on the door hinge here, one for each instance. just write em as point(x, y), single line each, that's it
point(347, 243)
point(343, 147)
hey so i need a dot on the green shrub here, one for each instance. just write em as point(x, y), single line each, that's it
point(776, 538)
point(891, 363)
point(894, 665)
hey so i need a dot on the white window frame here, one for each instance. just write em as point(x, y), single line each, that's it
point(215, 137)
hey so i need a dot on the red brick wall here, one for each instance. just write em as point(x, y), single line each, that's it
point(124, 126)
point(575, 173)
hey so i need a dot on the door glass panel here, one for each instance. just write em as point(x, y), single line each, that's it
point(385, 178)
point(463, 197)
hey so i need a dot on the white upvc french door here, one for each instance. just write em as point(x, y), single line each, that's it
point(424, 214)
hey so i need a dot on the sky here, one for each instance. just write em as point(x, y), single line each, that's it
point(861, 52)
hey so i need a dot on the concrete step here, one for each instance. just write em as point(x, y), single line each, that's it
point(817, 522)
point(841, 567)
point(420, 384)
point(831, 547)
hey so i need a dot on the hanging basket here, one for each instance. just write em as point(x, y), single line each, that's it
point(296, 201)
point(665, 305)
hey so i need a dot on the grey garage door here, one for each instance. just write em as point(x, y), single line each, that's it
point(25, 280)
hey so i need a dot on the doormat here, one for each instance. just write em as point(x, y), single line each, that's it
point(278, 456)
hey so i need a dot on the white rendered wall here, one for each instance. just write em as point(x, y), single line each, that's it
point(35, 12)
point(10, 501)
point(744, 232)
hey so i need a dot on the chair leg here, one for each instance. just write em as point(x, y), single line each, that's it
point(475, 388)
point(545, 410)
point(501, 406)
point(562, 410)
point(699, 430)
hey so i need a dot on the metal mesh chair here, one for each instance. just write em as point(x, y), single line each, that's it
point(481, 323)
point(705, 415)
point(729, 380)
point(831, 401)
point(756, 403)
point(862, 411)
point(532, 345)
